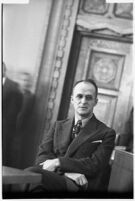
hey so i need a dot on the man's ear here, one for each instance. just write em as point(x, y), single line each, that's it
point(96, 101)
point(71, 99)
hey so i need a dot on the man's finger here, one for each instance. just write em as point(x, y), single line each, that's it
point(82, 181)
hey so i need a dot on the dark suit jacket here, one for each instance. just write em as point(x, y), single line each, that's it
point(88, 153)
point(11, 106)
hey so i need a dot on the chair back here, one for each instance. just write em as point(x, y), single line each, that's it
point(121, 178)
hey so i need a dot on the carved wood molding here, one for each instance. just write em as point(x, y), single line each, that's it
point(117, 26)
point(108, 18)
point(61, 60)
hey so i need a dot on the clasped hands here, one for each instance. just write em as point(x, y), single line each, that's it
point(52, 164)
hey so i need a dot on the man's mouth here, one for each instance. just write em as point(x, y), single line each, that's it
point(83, 108)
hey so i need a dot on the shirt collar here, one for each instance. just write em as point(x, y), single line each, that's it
point(84, 121)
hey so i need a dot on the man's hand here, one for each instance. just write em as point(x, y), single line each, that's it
point(79, 179)
point(51, 164)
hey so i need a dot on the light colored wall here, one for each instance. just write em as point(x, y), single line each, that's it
point(24, 32)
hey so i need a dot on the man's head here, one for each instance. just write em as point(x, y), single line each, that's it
point(84, 97)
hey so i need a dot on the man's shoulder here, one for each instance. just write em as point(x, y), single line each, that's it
point(104, 126)
point(11, 91)
point(12, 85)
point(64, 121)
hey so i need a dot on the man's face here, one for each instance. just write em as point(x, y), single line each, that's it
point(84, 99)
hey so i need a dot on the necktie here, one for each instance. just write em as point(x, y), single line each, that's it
point(76, 129)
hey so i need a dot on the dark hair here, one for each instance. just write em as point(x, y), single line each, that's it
point(87, 81)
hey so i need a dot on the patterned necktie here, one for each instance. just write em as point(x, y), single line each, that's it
point(76, 129)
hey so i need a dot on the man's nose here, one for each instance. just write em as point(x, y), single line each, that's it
point(83, 100)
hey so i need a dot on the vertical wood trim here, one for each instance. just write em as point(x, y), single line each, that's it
point(46, 68)
point(61, 60)
point(125, 92)
point(43, 37)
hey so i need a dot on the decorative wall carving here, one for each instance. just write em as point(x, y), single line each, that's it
point(64, 32)
point(106, 69)
point(124, 10)
point(115, 19)
point(95, 6)
point(112, 10)
point(111, 45)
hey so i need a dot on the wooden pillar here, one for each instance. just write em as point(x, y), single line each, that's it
point(61, 60)
point(53, 67)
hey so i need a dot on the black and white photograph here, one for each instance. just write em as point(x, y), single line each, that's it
point(67, 99)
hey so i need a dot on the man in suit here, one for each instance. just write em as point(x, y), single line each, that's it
point(75, 154)
point(11, 106)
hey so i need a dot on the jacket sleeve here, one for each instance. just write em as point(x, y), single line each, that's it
point(91, 165)
point(46, 148)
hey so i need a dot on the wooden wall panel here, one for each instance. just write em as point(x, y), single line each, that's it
point(105, 108)
point(105, 61)
point(106, 68)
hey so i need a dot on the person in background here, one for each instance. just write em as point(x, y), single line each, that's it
point(24, 120)
point(12, 100)
point(74, 156)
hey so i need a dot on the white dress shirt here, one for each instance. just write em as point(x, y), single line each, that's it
point(84, 121)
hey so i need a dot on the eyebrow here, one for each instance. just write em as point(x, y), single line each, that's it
point(86, 95)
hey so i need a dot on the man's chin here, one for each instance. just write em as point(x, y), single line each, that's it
point(85, 115)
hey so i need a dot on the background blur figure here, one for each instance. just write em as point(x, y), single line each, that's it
point(11, 105)
point(24, 79)
point(126, 139)
point(25, 134)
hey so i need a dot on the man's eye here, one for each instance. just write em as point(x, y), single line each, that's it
point(89, 98)
point(79, 96)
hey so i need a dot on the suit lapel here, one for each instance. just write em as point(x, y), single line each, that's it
point(65, 132)
point(91, 130)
